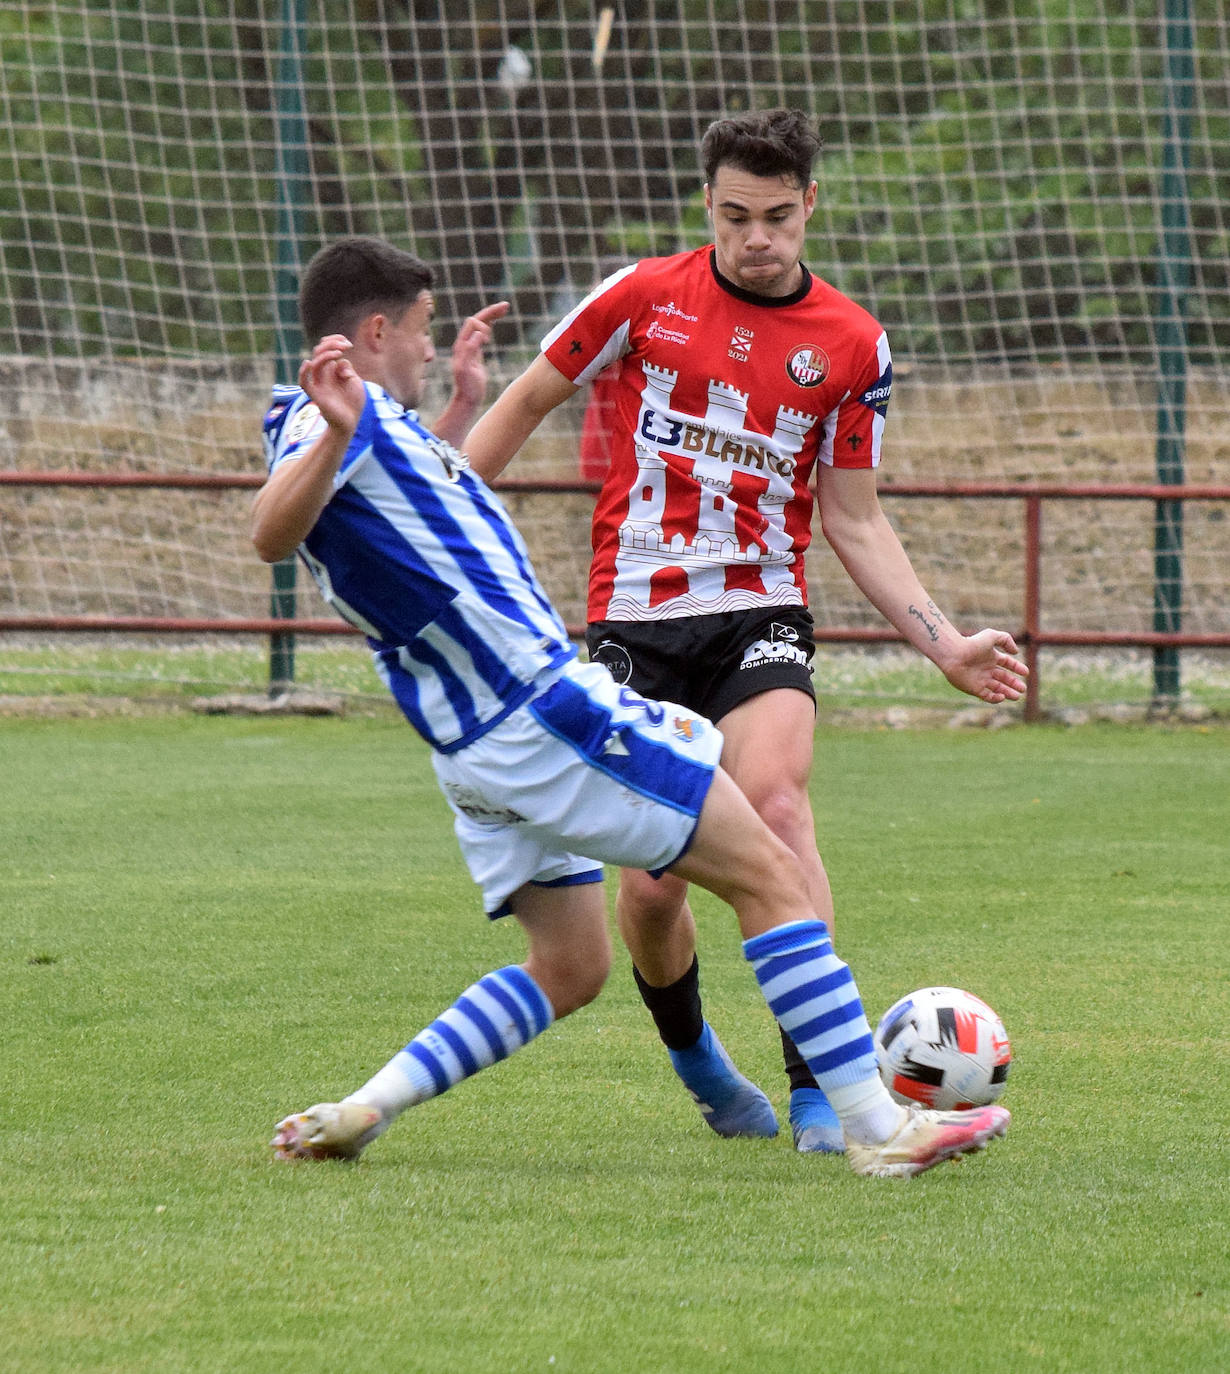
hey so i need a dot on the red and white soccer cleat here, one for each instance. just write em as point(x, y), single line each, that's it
point(926, 1138)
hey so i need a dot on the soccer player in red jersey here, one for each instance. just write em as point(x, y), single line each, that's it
point(748, 391)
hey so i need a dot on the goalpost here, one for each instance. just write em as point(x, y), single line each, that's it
point(1031, 195)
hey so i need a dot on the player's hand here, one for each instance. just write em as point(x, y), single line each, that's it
point(333, 384)
point(988, 667)
point(469, 364)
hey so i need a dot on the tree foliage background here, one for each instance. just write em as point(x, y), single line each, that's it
point(992, 186)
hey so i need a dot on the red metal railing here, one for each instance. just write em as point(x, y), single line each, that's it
point(1031, 635)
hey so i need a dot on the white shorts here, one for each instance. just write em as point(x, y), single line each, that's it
point(587, 770)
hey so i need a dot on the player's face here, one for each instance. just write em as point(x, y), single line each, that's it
point(409, 350)
point(758, 228)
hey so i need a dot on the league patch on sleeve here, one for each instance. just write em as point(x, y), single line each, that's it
point(307, 423)
point(876, 397)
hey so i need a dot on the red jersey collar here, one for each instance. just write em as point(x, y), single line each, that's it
point(770, 302)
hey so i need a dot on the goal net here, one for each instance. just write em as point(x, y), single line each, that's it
point(1030, 195)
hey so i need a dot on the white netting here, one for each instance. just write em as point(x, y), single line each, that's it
point(1031, 195)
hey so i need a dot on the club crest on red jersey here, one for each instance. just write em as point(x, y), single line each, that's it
point(808, 365)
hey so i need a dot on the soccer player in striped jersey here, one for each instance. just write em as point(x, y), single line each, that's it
point(745, 385)
point(550, 766)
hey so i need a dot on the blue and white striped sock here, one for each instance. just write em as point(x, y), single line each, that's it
point(497, 1015)
point(813, 995)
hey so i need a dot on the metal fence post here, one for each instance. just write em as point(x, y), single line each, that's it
point(1174, 274)
point(292, 189)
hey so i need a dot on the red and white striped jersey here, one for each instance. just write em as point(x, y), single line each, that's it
point(724, 403)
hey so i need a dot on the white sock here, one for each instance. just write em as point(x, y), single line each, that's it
point(869, 1116)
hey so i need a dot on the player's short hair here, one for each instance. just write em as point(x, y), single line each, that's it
point(352, 278)
point(765, 143)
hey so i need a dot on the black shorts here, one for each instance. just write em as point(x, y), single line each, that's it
point(708, 663)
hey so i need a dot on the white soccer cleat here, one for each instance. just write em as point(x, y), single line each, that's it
point(330, 1130)
point(925, 1138)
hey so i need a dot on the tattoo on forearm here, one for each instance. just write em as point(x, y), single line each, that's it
point(931, 626)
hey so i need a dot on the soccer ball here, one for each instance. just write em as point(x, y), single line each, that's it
point(943, 1048)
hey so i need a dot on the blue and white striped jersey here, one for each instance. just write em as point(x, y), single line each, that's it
point(417, 552)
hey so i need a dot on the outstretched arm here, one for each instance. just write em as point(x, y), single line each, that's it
point(985, 665)
point(469, 375)
point(290, 502)
point(515, 416)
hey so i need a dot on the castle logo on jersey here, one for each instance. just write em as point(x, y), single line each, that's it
point(808, 365)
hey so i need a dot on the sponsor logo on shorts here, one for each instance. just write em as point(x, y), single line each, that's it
point(808, 365)
point(615, 659)
point(768, 651)
point(472, 804)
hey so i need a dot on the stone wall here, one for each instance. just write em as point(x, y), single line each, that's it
point(186, 553)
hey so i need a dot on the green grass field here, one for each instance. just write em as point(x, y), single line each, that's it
point(209, 922)
point(96, 672)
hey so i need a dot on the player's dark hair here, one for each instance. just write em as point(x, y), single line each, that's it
point(765, 143)
point(352, 278)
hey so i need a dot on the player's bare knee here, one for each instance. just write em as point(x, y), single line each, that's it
point(784, 809)
point(588, 983)
point(644, 901)
point(570, 966)
point(570, 982)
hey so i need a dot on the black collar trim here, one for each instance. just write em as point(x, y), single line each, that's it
point(771, 302)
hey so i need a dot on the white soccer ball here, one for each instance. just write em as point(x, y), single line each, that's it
point(943, 1048)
